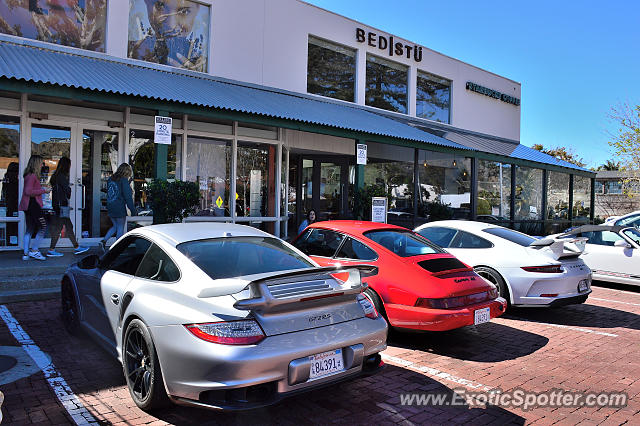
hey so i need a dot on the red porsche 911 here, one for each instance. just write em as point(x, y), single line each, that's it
point(418, 285)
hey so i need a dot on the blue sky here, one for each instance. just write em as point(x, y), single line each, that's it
point(575, 60)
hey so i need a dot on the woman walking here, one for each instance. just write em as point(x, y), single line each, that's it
point(119, 197)
point(31, 205)
point(61, 193)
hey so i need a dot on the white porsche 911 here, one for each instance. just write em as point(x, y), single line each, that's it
point(526, 270)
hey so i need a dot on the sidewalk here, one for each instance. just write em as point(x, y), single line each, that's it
point(24, 280)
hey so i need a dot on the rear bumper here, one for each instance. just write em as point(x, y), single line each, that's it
point(415, 318)
point(561, 301)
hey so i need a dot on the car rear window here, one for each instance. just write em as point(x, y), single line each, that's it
point(511, 235)
point(238, 256)
point(403, 243)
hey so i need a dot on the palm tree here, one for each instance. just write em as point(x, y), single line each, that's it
point(610, 165)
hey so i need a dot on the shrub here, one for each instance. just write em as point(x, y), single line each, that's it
point(172, 201)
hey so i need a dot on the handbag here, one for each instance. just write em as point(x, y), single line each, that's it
point(65, 211)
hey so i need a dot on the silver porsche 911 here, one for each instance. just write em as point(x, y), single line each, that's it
point(222, 316)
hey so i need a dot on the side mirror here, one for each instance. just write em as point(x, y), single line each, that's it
point(90, 262)
point(622, 243)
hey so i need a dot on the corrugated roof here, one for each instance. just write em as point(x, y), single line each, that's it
point(30, 61)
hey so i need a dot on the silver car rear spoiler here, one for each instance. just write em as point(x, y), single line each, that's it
point(274, 292)
point(561, 247)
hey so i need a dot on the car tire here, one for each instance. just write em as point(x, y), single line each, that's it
point(496, 279)
point(377, 303)
point(142, 368)
point(69, 306)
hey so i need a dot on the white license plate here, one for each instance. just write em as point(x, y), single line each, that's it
point(326, 363)
point(583, 286)
point(481, 316)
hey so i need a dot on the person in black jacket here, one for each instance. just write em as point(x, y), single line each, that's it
point(61, 192)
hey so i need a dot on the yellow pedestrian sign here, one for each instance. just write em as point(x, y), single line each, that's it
point(219, 201)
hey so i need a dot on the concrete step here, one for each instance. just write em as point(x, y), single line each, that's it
point(29, 295)
point(17, 283)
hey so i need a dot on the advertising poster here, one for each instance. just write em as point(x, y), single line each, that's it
point(169, 32)
point(379, 209)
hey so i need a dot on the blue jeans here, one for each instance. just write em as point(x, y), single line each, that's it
point(116, 229)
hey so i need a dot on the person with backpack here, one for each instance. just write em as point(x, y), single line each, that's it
point(119, 197)
point(61, 193)
point(31, 205)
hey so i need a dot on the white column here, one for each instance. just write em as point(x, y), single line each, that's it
point(361, 75)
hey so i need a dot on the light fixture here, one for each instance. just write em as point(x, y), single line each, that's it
point(455, 164)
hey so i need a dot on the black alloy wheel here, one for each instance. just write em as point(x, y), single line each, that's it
point(70, 314)
point(496, 279)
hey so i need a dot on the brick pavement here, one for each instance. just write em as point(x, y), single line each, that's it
point(536, 350)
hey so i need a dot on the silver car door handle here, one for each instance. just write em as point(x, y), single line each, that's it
point(115, 299)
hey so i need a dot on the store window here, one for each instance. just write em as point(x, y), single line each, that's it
point(148, 161)
point(612, 187)
point(389, 173)
point(581, 198)
point(528, 197)
point(255, 180)
point(599, 187)
point(208, 163)
point(169, 32)
point(331, 70)
point(386, 85)
point(9, 179)
point(494, 191)
point(433, 97)
point(558, 195)
point(445, 186)
point(78, 24)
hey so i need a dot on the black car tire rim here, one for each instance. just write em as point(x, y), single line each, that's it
point(489, 277)
point(138, 364)
point(69, 311)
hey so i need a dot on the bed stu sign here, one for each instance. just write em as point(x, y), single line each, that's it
point(492, 93)
point(388, 44)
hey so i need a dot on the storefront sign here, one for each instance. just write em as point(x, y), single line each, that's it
point(492, 93)
point(379, 209)
point(162, 130)
point(361, 155)
point(387, 44)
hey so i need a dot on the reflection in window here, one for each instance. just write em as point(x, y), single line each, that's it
point(78, 24)
point(9, 178)
point(612, 187)
point(169, 32)
point(142, 159)
point(331, 70)
point(52, 143)
point(494, 191)
point(433, 97)
point(390, 169)
point(255, 181)
point(581, 198)
point(558, 196)
point(599, 188)
point(528, 199)
point(445, 186)
point(386, 84)
point(209, 164)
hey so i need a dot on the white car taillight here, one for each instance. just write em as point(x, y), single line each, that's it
point(367, 306)
point(242, 332)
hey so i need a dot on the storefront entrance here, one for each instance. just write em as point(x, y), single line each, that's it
point(94, 158)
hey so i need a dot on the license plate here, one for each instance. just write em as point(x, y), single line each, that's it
point(326, 363)
point(583, 286)
point(481, 316)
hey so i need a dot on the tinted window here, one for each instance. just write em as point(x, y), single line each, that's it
point(386, 84)
point(331, 70)
point(157, 265)
point(353, 249)
point(319, 242)
point(439, 236)
point(467, 240)
point(235, 257)
point(511, 235)
point(433, 97)
point(630, 221)
point(402, 243)
point(602, 238)
point(126, 256)
point(632, 234)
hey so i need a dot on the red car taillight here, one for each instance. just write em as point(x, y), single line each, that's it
point(242, 332)
point(547, 269)
point(457, 302)
point(367, 306)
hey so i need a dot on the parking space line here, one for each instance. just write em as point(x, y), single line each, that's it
point(432, 372)
point(617, 291)
point(568, 327)
point(63, 392)
point(614, 301)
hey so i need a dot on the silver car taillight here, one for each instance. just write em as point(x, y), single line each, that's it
point(367, 306)
point(241, 332)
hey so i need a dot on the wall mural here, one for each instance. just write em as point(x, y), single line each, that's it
point(170, 32)
point(75, 23)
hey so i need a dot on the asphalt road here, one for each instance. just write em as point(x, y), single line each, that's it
point(592, 347)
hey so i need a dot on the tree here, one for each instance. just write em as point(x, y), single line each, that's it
point(609, 166)
point(561, 153)
point(626, 142)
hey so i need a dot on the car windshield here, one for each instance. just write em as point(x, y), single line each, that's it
point(238, 256)
point(630, 221)
point(511, 235)
point(632, 234)
point(403, 243)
